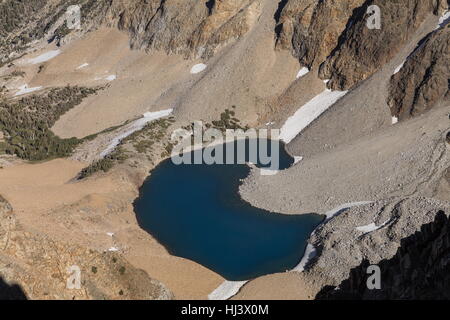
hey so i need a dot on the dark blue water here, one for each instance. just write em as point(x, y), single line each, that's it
point(195, 211)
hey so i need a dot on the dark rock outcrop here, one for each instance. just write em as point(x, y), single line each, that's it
point(334, 34)
point(362, 51)
point(419, 270)
point(371, 233)
point(311, 28)
point(424, 79)
point(37, 267)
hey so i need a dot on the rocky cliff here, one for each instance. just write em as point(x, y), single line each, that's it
point(423, 81)
point(419, 269)
point(34, 266)
point(311, 29)
point(189, 27)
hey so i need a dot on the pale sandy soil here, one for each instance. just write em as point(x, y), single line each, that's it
point(45, 200)
point(280, 286)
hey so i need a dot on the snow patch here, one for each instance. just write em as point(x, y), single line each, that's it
point(336, 211)
point(198, 68)
point(24, 90)
point(268, 172)
point(443, 20)
point(84, 65)
point(308, 113)
point(297, 159)
point(303, 71)
point(397, 70)
point(133, 127)
point(394, 120)
point(310, 253)
point(372, 227)
point(226, 290)
point(44, 57)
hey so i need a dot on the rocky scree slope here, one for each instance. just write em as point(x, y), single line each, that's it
point(333, 35)
point(39, 266)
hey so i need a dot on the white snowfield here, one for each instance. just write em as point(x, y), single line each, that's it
point(303, 71)
point(133, 127)
point(338, 210)
point(397, 70)
point(198, 68)
point(226, 290)
point(308, 113)
point(44, 57)
point(24, 90)
point(84, 65)
point(372, 227)
point(443, 20)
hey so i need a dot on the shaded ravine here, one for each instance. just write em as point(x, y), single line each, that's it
point(196, 212)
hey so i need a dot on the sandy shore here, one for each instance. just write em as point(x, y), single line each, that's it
point(280, 286)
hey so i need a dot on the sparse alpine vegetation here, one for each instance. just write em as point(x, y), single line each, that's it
point(26, 123)
point(146, 142)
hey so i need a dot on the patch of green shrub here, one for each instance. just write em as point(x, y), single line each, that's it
point(26, 123)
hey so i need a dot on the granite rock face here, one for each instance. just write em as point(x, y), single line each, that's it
point(371, 233)
point(311, 29)
point(424, 79)
point(335, 34)
point(419, 269)
point(188, 27)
